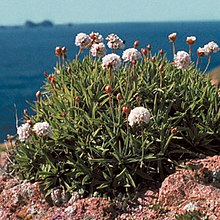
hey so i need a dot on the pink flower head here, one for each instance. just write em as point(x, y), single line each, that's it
point(98, 50)
point(24, 131)
point(96, 37)
point(138, 115)
point(82, 40)
point(42, 129)
point(201, 52)
point(172, 37)
point(114, 42)
point(111, 60)
point(131, 54)
point(191, 40)
point(211, 47)
point(182, 60)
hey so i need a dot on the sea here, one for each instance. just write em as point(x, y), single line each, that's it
point(25, 53)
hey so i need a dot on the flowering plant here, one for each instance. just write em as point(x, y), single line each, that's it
point(91, 132)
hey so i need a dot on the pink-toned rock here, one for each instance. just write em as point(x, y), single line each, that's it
point(3, 159)
point(198, 186)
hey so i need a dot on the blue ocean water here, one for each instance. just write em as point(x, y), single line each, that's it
point(27, 52)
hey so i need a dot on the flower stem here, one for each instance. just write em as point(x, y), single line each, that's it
point(209, 60)
point(190, 50)
point(161, 80)
point(80, 51)
point(197, 61)
point(174, 48)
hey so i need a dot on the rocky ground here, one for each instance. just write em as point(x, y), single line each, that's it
point(195, 190)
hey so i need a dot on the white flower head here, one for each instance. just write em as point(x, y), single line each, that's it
point(82, 40)
point(182, 60)
point(24, 132)
point(98, 50)
point(172, 37)
point(138, 115)
point(114, 42)
point(111, 60)
point(211, 47)
point(96, 38)
point(43, 129)
point(201, 52)
point(131, 54)
point(191, 40)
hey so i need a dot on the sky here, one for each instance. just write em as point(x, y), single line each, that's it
point(16, 12)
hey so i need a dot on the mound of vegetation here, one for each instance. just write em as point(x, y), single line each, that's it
point(106, 126)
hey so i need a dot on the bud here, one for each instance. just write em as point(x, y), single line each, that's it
point(174, 130)
point(126, 109)
point(38, 94)
point(77, 98)
point(133, 62)
point(143, 51)
point(63, 50)
point(201, 52)
point(161, 52)
point(190, 40)
point(108, 89)
point(134, 77)
point(46, 74)
point(153, 59)
point(148, 47)
point(119, 96)
point(138, 98)
point(58, 51)
point(68, 69)
point(9, 137)
point(160, 68)
point(51, 78)
point(92, 36)
point(63, 114)
point(215, 81)
point(25, 111)
point(136, 43)
point(30, 122)
point(172, 37)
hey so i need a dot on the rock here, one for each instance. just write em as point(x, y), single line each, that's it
point(197, 185)
point(196, 188)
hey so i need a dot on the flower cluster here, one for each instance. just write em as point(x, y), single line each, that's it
point(172, 37)
point(82, 40)
point(98, 50)
point(42, 129)
point(208, 48)
point(96, 38)
point(201, 52)
point(191, 40)
point(211, 47)
point(138, 115)
point(182, 60)
point(111, 61)
point(114, 42)
point(94, 41)
point(24, 132)
point(131, 55)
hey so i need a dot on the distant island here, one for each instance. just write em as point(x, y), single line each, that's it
point(31, 24)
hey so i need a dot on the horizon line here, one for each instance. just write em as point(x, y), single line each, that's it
point(109, 22)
